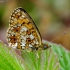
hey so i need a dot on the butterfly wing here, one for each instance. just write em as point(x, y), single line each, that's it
point(22, 32)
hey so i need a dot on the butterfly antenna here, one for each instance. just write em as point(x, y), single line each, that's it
point(59, 36)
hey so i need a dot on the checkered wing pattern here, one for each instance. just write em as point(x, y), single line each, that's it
point(22, 32)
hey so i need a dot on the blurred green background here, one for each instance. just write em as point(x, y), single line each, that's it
point(52, 18)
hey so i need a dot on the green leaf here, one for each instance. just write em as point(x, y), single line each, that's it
point(63, 55)
point(8, 59)
point(40, 60)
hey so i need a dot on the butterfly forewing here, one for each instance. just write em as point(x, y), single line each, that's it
point(22, 32)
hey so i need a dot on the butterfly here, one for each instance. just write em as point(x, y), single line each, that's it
point(23, 33)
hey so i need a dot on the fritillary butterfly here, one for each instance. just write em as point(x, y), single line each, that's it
point(23, 33)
